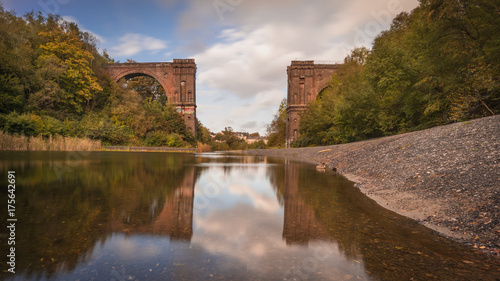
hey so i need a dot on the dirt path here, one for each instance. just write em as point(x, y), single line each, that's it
point(447, 177)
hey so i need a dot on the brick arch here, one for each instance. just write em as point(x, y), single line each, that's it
point(178, 79)
point(132, 73)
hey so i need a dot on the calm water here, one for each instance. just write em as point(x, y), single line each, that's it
point(163, 216)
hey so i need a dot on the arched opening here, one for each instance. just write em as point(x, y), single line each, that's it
point(146, 86)
point(322, 93)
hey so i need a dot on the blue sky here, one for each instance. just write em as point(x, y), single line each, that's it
point(241, 47)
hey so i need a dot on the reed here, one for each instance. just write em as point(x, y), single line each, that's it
point(52, 143)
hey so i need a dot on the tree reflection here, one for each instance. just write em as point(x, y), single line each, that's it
point(61, 221)
point(175, 219)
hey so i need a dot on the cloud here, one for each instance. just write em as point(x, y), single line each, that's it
point(261, 201)
point(244, 63)
point(132, 43)
point(101, 39)
point(219, 111)
point(249, 126)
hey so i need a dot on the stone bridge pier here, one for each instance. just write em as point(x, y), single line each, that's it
point(178, 79)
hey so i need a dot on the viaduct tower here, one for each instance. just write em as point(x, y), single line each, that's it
point(178, 79)
point(306, 79)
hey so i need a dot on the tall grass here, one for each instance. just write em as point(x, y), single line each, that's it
point(56, 143)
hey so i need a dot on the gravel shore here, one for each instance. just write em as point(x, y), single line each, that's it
point(447, 177)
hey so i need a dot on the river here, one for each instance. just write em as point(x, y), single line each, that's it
point(180, 216)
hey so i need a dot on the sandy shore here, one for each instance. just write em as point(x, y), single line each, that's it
point(447, 177)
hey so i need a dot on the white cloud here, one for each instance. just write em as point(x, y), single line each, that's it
point(132, 43)
point(101, 39)
point(219, 111)
point(260, 201)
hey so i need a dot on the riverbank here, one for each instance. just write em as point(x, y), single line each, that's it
point(447, 178)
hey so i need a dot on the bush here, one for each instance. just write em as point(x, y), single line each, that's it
point(174, 140)
point(120, 135)
point(71, 128)
point(20, 124)
point(157, 138)
point(96, 126)
point(50, 126)
point(204, 147)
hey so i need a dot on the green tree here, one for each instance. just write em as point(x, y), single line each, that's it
point(16, 70)
point(276, 131)
point(203, 134)
point(230, 139)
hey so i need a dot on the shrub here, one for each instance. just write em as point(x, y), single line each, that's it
point(21, 124)
point(174, 140)
point(157, 138)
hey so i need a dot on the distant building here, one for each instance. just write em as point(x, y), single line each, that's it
point(251, 140)
point(242, 135)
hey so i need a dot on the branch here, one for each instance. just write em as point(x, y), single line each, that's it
point(492, 113)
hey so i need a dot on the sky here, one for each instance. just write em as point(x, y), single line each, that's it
point(241, 47)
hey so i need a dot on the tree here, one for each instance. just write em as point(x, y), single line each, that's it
point(16, 70)
point(229, 138)
point(203, 134)
point(68, 63)
point(276, 131)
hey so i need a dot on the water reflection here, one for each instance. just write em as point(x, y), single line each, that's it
point(300, 224)
point(64, 216)
point(155, 216)
point(175, 220)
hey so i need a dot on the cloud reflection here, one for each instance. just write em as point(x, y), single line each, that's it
point(249, 227)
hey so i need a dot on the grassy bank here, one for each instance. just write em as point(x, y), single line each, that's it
point(52, 143)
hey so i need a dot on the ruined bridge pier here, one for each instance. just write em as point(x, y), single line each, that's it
point(306, 79)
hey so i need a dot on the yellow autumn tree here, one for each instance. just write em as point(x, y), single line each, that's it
point(76, 80)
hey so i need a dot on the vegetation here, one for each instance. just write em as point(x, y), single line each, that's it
point(276, 131)
point(53, 83)
point(436, 65)
point(40, 143)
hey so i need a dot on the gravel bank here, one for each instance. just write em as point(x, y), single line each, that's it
point(447, 177)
